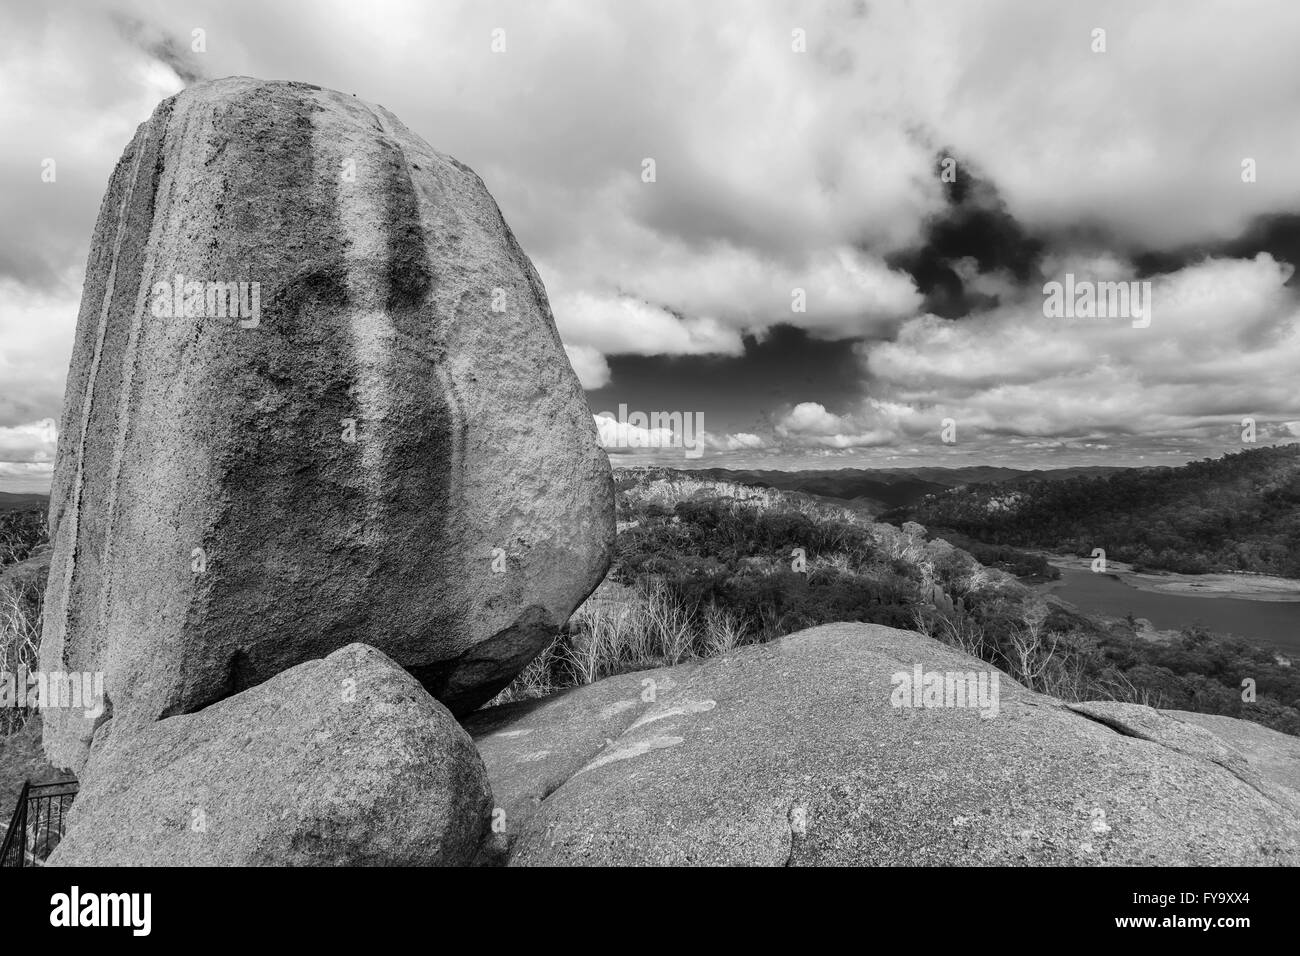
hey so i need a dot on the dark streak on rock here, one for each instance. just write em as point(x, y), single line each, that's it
point(277, 174)
point(407, 268)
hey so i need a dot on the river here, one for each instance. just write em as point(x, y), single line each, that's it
point(1272, 624)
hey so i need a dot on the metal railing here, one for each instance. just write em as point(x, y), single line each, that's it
point(37, 822)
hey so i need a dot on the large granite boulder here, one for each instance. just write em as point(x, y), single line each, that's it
point(812, 750)
point(316, 397)
point(341, 761)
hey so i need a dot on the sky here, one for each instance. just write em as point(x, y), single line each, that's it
point(857, 209)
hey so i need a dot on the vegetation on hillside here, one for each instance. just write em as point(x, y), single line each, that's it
point(20, 634)
point(884, 488)
point(21, 532)
point(1236, 513)
point(1032, 568)
point(709, 566)
point(706, 566)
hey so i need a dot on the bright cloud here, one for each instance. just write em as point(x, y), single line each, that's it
point(776, 171)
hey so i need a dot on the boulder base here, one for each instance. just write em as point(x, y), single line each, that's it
point(341, 761)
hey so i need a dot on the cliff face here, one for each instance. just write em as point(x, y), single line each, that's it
point(824, 747)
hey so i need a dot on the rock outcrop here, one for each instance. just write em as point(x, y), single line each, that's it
point(341, 761)
point(1273, 755)
point(794, 752)
point(316, 397)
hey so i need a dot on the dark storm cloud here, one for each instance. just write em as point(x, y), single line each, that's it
point(170, 50)
point(974, 226)
point(738, 393)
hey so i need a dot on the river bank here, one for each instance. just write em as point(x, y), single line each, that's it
point(1261, 612)
point(1240, 586)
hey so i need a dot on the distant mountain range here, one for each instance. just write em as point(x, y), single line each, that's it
point(10, 501)
point(870, 490)
point(881, 489)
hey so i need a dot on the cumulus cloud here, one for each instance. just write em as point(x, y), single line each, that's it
point(1119, 138)
point(589, 365)
point(75, 90)
point(34, 442)
point(621, 324)
point(775, 170)
point(36, 333)
point(27, 455)
point(742, 441)
point(662, 437)
point(621, 436)
point(661, 297)
point(1222, 344)
point(811, 418)
point(649, 432)
point(810, 424)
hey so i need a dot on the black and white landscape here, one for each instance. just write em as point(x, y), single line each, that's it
point(530, 433)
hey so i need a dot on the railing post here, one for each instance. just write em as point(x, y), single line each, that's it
point(24, 800)
point(33, 828)
point(17, 824)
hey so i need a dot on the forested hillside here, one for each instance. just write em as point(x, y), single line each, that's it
point(706, 566)
point(882, 488)
point(1236, 513)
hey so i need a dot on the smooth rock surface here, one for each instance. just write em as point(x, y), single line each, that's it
point(535, 746)
point(1273, 755)
point(236, 494)
point(791, 753)
point(341, 761)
